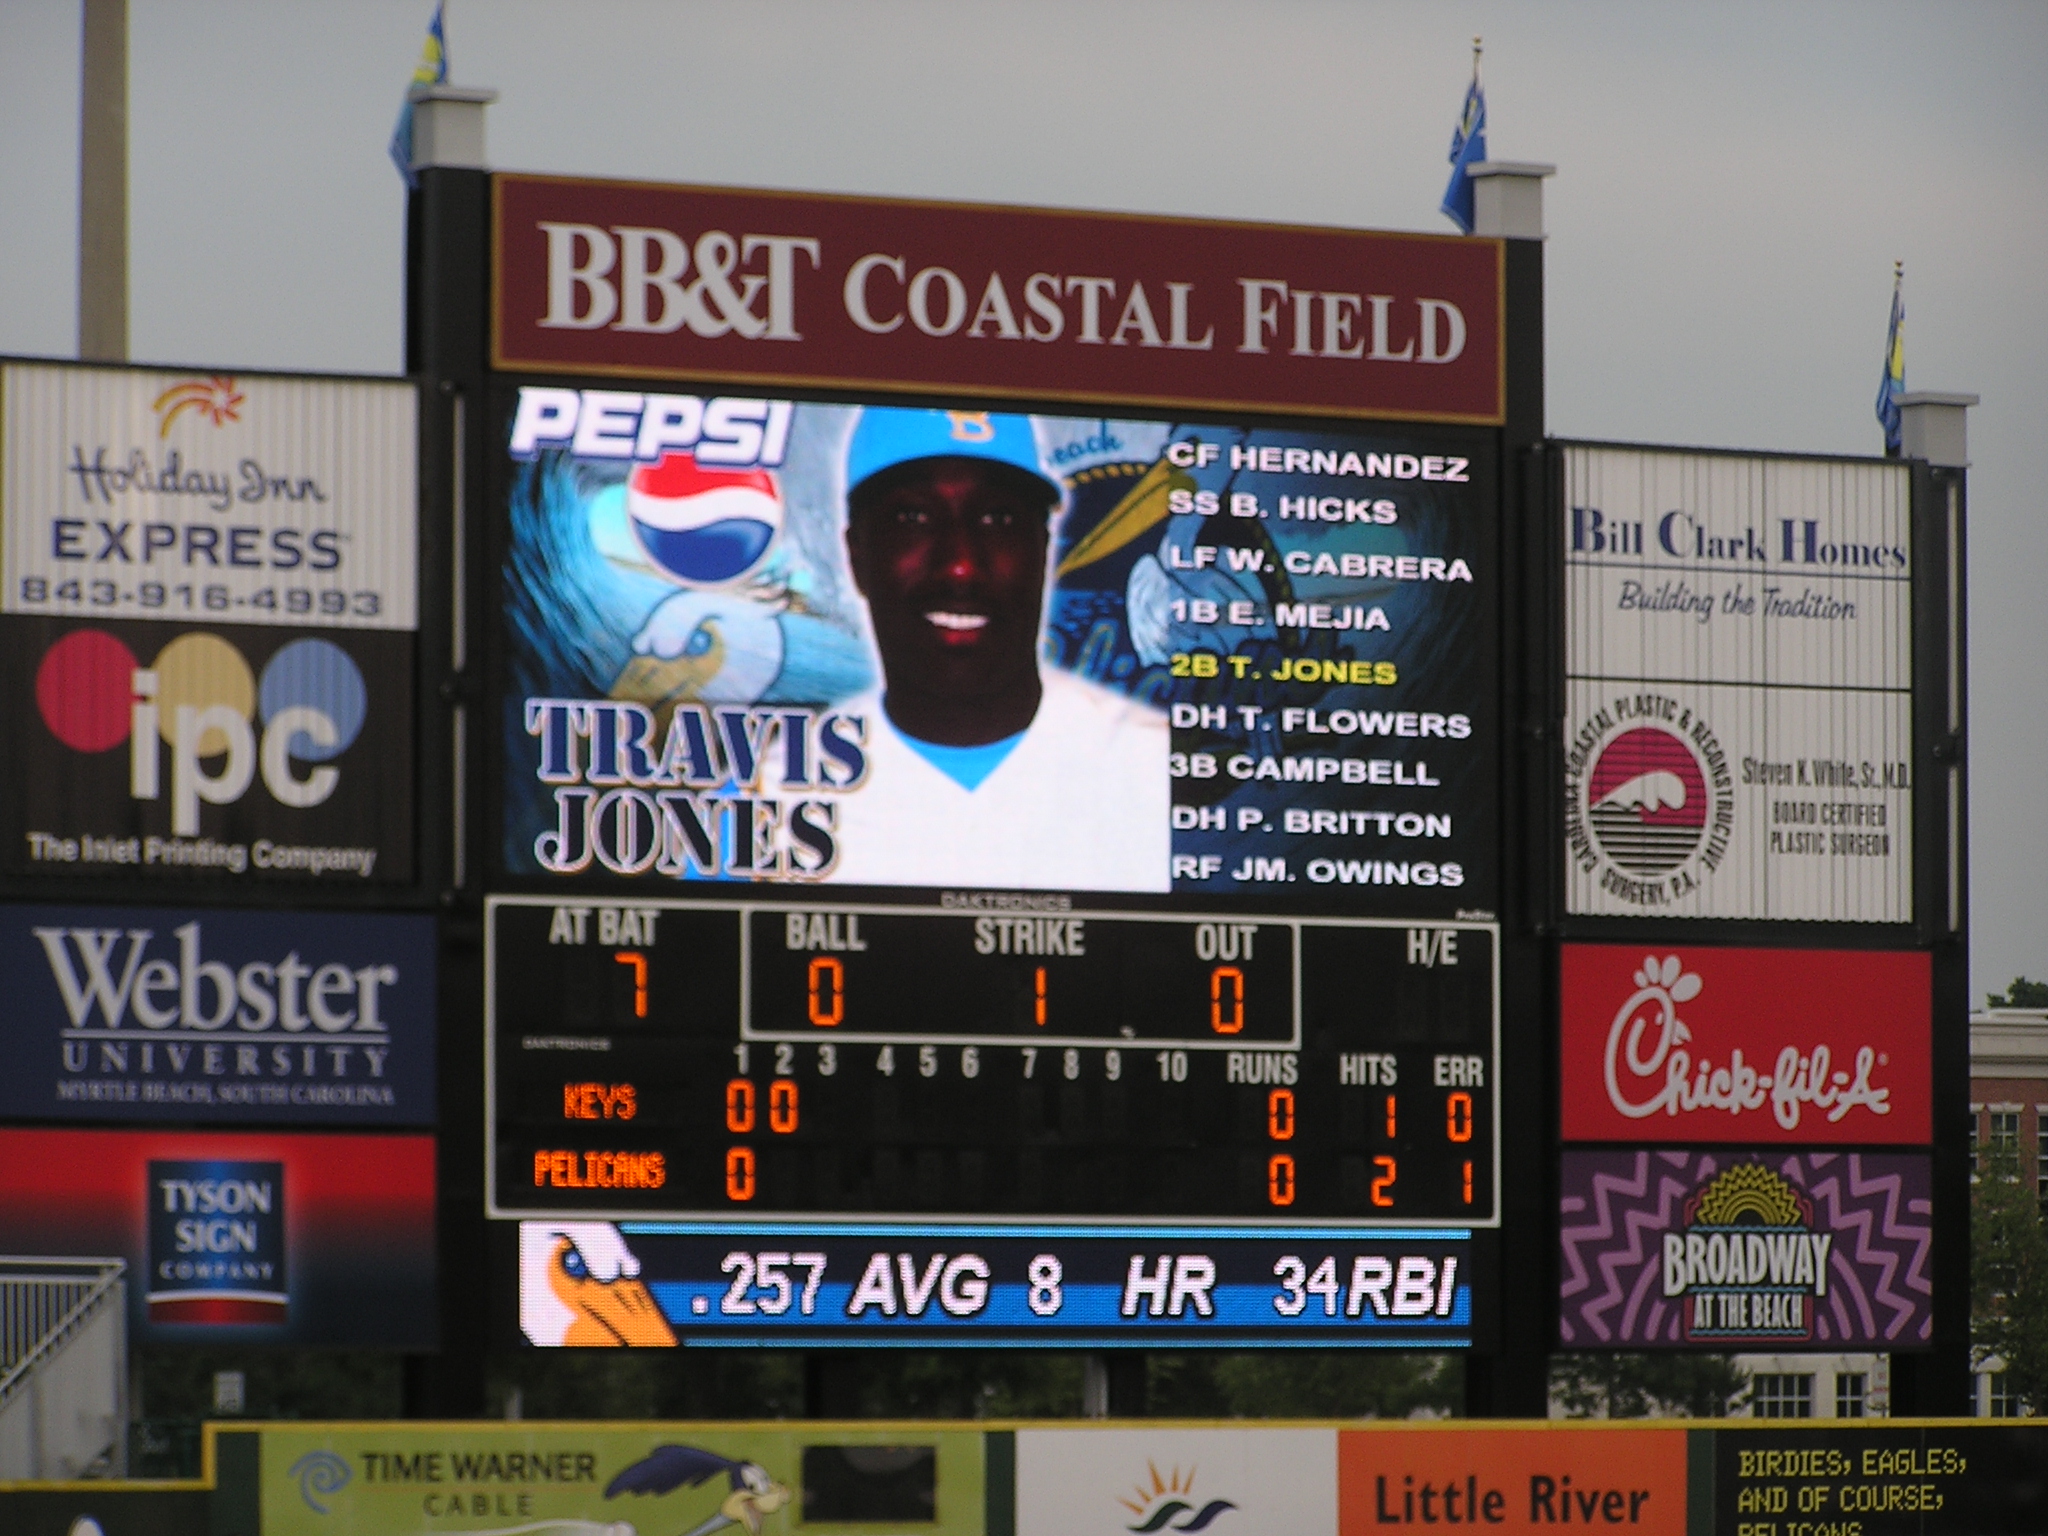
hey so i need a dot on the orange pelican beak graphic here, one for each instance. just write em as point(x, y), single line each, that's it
point(607, 1312)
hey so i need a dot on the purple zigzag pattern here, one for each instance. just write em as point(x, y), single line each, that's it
point(1846, 1279)
point(1878, 1286)
point(1671, 1193)
point(1608, 1224)
point(1870, 1208)
point(1891, 1190)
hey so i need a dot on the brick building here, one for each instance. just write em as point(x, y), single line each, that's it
point(2008, 1105)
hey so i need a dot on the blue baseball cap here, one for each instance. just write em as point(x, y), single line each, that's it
point(888, 435)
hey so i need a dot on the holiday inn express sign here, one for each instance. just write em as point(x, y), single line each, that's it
point(643, 280)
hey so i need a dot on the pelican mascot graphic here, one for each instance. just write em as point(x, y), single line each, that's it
point(754, 1494)
point(579, 1285)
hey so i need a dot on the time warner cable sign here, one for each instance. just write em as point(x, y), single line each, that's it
point(251, 1018)
point(208, 605)
point(1738, 715)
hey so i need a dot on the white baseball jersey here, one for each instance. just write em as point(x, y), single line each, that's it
point(1082, 803)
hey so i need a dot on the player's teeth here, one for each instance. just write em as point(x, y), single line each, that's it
point(958, 620)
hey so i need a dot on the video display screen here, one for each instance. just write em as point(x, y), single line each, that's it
point(791, 643)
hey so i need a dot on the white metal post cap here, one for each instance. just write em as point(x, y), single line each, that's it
point(1934, 425)
point(481, 96)
point(1507, 198)
point(1536, 168)
point(448, 126)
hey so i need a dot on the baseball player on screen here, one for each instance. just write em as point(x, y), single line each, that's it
point(987, 767)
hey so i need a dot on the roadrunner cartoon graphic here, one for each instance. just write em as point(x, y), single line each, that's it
point(579, 1284)
point(754, 1493)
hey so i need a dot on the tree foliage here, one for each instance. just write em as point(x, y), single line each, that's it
point(1304, 1384)
point(2021, 994)
point(2009, 1273)
point(1646, 1386)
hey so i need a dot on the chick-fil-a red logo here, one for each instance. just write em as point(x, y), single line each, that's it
point(1705, 1045)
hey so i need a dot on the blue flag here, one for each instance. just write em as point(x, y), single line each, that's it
point(432, 69)
point(1468, 147)
point(1893, 382)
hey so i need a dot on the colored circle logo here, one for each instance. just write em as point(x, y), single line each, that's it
point(317, 675)
point(83, 687)
point(198, 671)
point(703, 527)
point(86, 690)
point(1647, 800)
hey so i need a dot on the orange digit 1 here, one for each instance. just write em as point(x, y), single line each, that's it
point(782, 1106)
point(1458, 1117)
point(638, 961)
point(739, 1106)
point(1391, 1132)
point(1280, 1179)
point(1226, 978)
point(739, 1173)
point(827, 982)
point(1039, 1014)
point(1280, 1114)
point(1468, 1181)
point(1384, 1182)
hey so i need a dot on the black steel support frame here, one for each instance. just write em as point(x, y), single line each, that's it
point(447, 351)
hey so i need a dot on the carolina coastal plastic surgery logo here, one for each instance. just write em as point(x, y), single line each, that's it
point(221, 723)
point(1649, 800)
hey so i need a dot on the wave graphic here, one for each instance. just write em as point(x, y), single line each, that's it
point(1209, 1511)
point(1161, 1517)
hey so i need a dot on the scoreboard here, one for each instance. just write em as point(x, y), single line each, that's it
point(1156, 1004)
point(758, 1060)
point(700, 1072)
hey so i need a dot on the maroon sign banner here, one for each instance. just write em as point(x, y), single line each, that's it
point(781, 288)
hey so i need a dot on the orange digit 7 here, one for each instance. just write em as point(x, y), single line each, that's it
point(638, 962)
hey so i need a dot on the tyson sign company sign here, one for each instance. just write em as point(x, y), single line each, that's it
point(1687, 1045)
point(618, 277)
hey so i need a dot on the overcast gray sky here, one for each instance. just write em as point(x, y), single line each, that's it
point(1734, 182)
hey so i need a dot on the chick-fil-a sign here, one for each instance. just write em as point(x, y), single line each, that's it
point(1687, 1043)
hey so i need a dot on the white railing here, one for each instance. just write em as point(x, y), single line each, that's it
point(63, 1367)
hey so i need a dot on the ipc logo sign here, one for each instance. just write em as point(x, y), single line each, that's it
point(221, 724)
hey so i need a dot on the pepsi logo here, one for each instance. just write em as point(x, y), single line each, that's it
point(700, 526)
